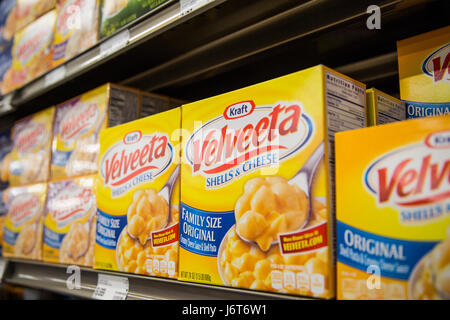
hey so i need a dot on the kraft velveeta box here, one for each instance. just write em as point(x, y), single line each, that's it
point(76, 28)
point(32, 54)
point(138, 196)
point(257, 182)
point(78, 123)
point(31, 152)
point(382, 108)
point(69, 221)
point(423, 65)
point(22, 233)
point(3, 212)
point(5, 157)
point(116, 14)
point(28, 11)
point(393, 211)
point(7, 29)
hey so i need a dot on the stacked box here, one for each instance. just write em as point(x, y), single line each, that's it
point(423, 66)
point(115, 14)
point(69, 222)
point(28, 11)
point(393, 211)
point(152, 103)
point(32, 54)
point(22, 234)
point(249, 217)
point(382, 108)
point(138, 196)
point(7, 29)
point(31, 152)
point(78, 123)
point(76, 28)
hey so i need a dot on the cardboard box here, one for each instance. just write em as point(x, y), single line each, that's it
point(78, 123)
point(22, 234)
point(7, 29)
point(115, 14)
point(32, 54)
point(6, 145)
point(31, 152)
point(382, 108)
point(242, 154)
point(69, 221)
point(28, 11)
point(76, 28)
point(138, 218)
point(393, 205)
point(423, 66)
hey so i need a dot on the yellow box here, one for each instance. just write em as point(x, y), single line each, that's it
point(242, 156)
point(69, 221)
point(393, 210)
point(424, 71)
point(22, 237)
point(78, 123)
point(30, 156)
point(138, 196)
point(382, 108)
point(76, 28)
point(28, 11)
point(32, 54)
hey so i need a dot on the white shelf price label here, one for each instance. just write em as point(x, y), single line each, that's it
point(114, 43)
point(187, 6)
point(55, 75)
point(111, 288)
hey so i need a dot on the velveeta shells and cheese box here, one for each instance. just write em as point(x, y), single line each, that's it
point(28, 11)
point(32, 54)
point(69, 222)
point(78, 123)
point(31, 152)
point(256, 182)
point(424, 72)
point(382, 108)
point(393, 211)
point(138, 196)
point(76, 28)
point(22, 236)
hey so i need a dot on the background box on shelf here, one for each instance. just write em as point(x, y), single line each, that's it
point(22, 235)
point(76, 28)
point(242, 155)
point(382, 108)
point(5, 157)
point(28, 11)
point(138, 217)
point(393, 210)
point(152, 103)
point(31, 152)
point(3, 212)
point(424, 71)
point(78, 123)
point(7, 28)
point(117, 13)
point(32, 54)
point(69, 221)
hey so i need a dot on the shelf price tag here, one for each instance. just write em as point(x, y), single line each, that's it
point(188, 6)
point(111, 288)
point(3, 264)
point(114, 43)
point(55, 75)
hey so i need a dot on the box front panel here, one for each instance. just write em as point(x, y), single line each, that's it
point(393, 210)
point(137, 222)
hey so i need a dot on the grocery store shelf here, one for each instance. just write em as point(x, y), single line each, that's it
point(53, 277)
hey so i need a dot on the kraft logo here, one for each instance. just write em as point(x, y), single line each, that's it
point(437, 64)
point(132, 137)
point(224, 143)
point(239, 110)
point(415, 175)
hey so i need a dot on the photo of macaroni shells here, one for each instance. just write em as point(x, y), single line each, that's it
point(430, 279)
point(77, 246)
point(29, 240)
